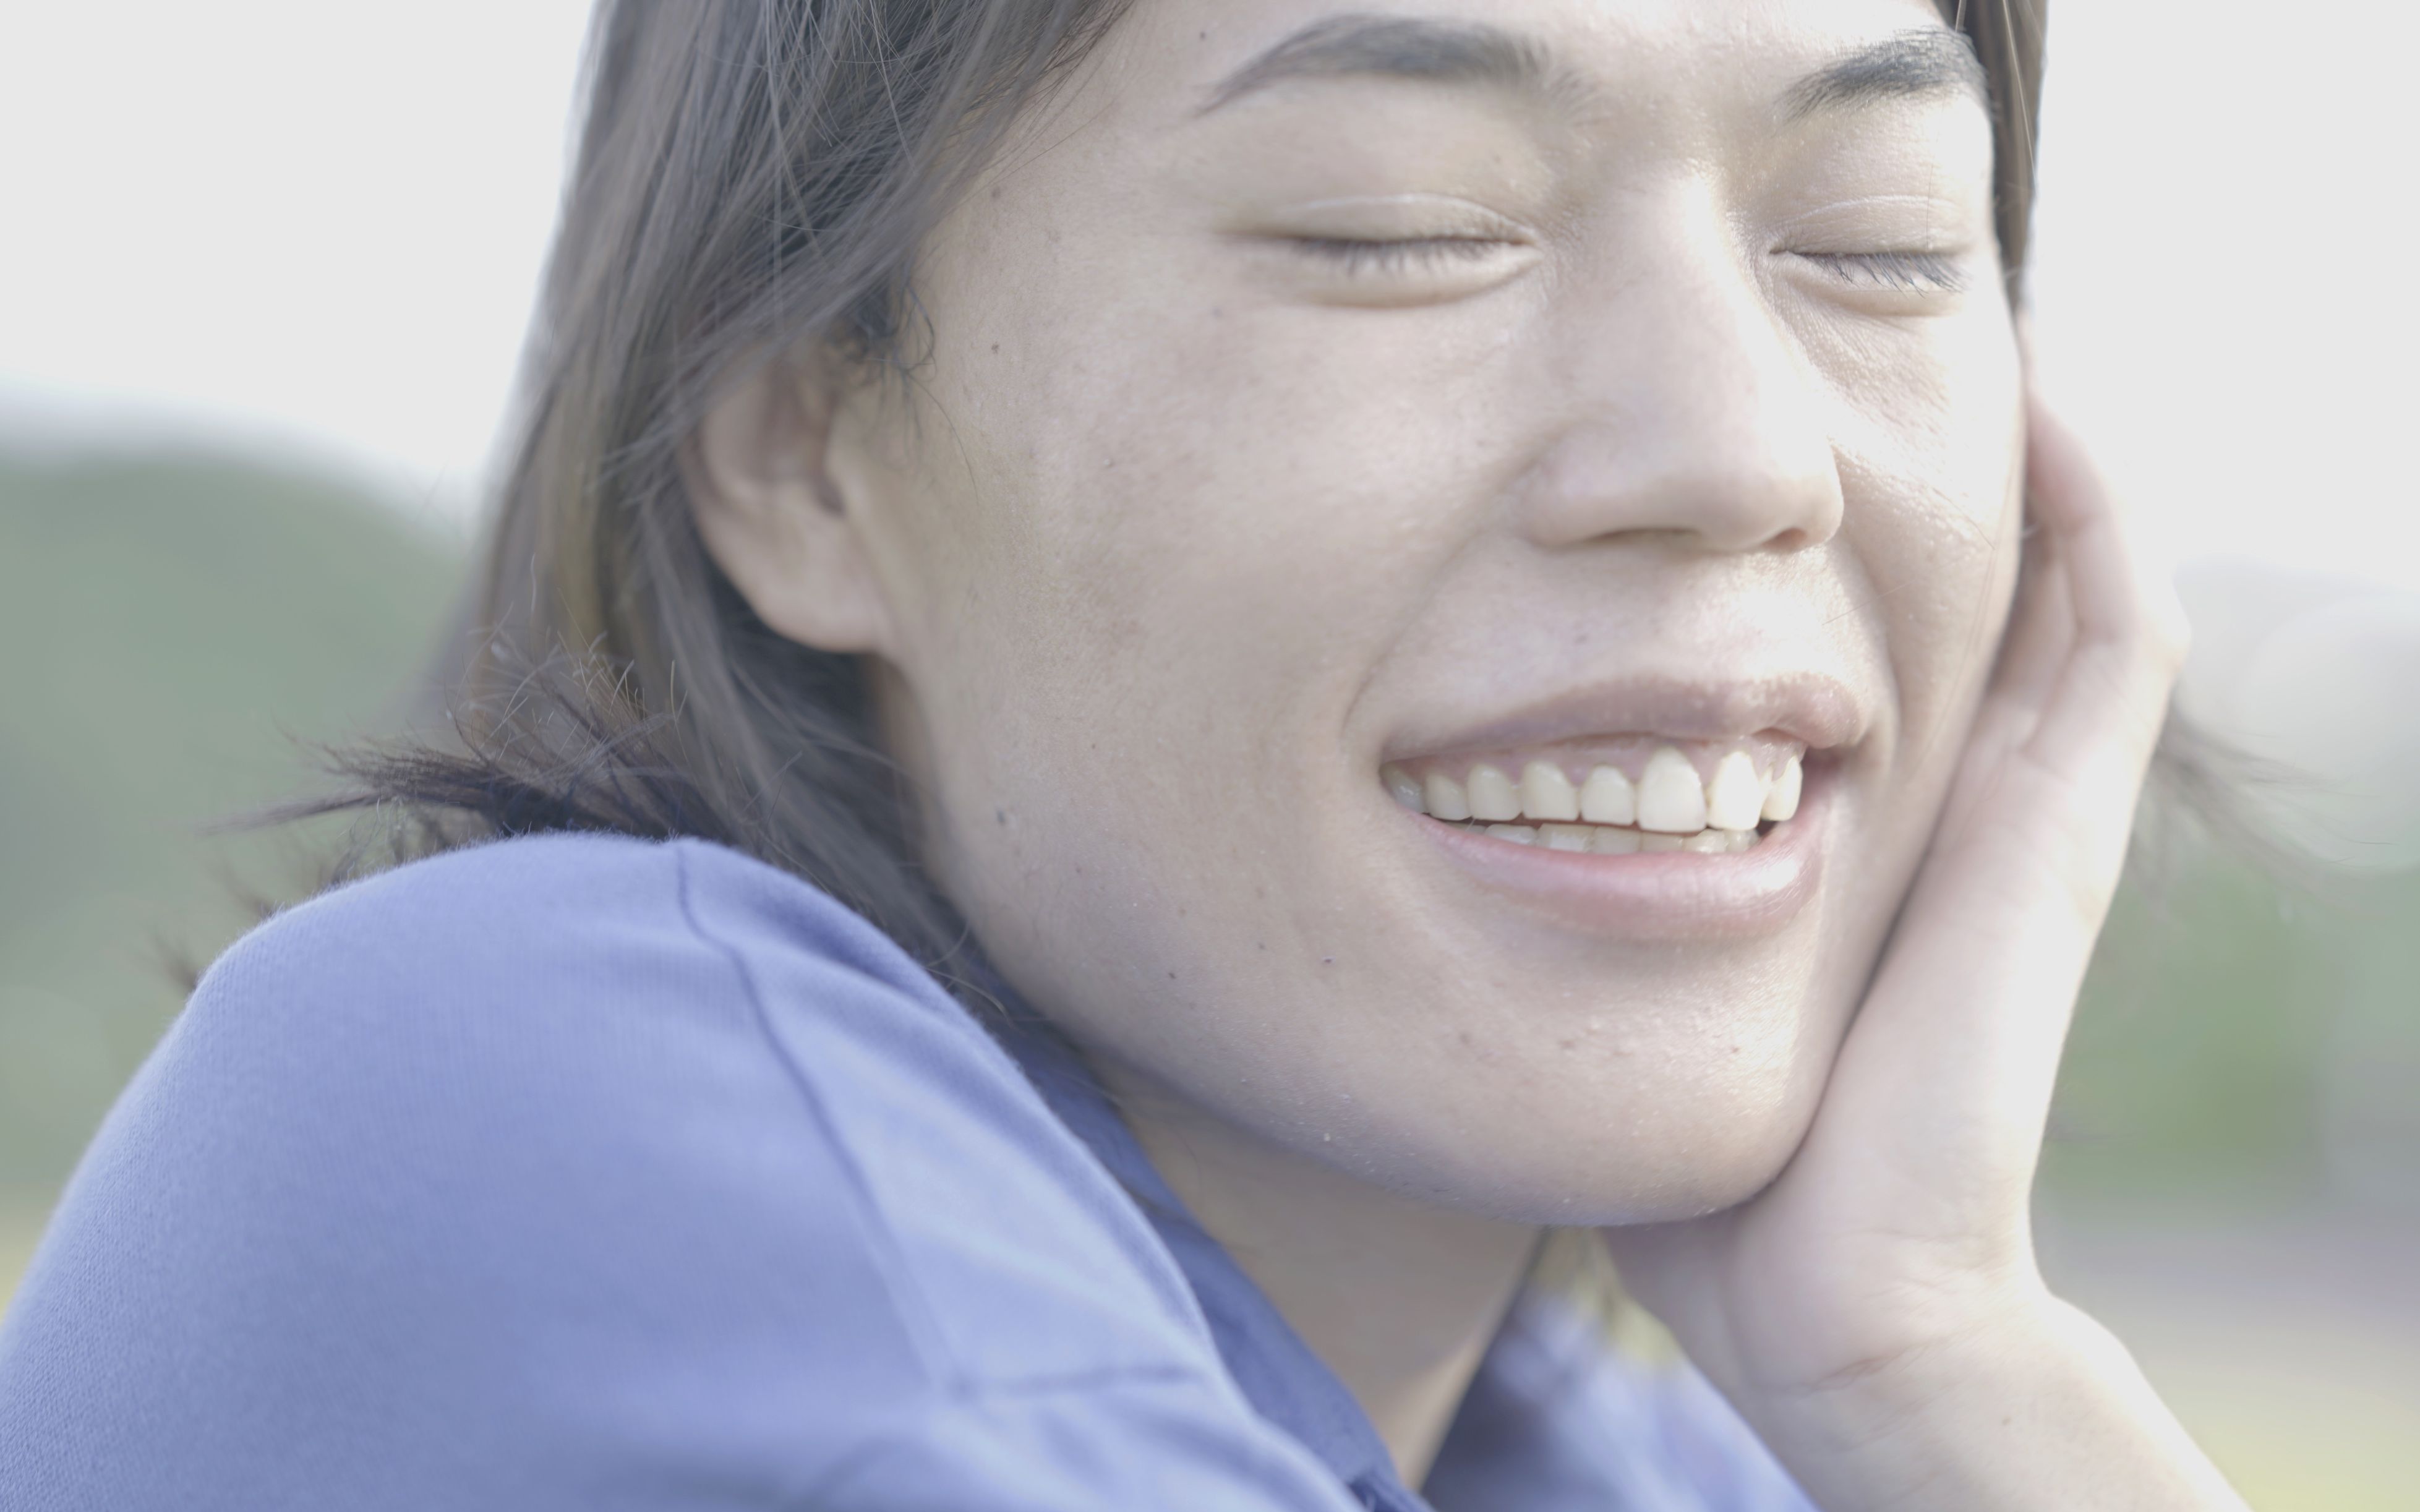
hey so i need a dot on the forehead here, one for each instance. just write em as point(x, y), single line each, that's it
point(1780, 58)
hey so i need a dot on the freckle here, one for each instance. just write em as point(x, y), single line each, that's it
point(1464, 1035)
point(1171, 976)
point(995, 346)
point(1262, 944)
point(1000, 814)
point(1328, 961)
point(1570, 1045)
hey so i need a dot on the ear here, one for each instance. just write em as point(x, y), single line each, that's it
point(774, 519)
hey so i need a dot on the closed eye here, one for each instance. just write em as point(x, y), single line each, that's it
point(1896, 272)
point(1892, 273)
point(1354, 256)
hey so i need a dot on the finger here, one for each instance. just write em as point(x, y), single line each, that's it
point(2092, 652)
point(2034, 647)
point(1950, 1066)
point(2080, 768)
point(2128, 628)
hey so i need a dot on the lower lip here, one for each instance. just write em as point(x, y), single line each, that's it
point(1663, 895)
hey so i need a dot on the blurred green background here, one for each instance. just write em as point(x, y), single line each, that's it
point(174, 628)
point(2234, 1176)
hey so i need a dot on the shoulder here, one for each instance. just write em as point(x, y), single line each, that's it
point(533, 922)
point(568, 991)
point(565, 1018)
point(565, 1144)
point(574, 996)
point(552, 969)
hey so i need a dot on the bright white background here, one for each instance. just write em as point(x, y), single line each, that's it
point(288, 223)
point(2222, 289)
point(317, 226)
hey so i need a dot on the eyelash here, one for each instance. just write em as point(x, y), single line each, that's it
point(1357, 256)
point(1905, 272)
point(1897, 273)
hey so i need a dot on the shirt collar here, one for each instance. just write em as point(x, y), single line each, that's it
point(1553, 1418)
point(1286, 1382)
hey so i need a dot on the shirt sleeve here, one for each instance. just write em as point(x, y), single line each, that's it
point(587, 1173)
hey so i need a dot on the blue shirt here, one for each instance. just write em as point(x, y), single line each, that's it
point(591, 1173)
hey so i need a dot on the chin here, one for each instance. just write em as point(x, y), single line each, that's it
point(1573, 1152)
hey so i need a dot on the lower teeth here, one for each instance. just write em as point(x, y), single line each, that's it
point(1607, 840)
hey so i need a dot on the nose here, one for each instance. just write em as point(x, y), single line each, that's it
point(1686, 412)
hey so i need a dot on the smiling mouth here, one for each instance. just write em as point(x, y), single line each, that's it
point(1619, 795)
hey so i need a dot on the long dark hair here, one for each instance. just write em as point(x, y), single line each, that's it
point(753, 177)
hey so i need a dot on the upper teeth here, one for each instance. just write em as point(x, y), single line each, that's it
point(1441, 796)
point(1782, 800)
point(1607, 798)
point(1671, 798)
point(1547, 793)
point(1493, 794)
point(1735, 795)
point(1668, 798)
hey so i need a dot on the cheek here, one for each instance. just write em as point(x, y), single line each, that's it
point(1182, 518)
point(1130, 624)
point(1931, 446)
point(1186, 541)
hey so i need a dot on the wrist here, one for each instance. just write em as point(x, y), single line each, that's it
point(2032, 1405)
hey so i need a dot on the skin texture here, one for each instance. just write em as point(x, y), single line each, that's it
point(1191, 519)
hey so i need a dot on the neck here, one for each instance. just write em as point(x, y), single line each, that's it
point(1400, 1299)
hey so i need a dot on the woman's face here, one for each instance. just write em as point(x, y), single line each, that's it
point(1325, 407)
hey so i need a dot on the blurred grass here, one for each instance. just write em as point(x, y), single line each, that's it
point(2293, 1419)
point(2289, 1341)
point(2245, 1045)
point(175, 621)
point(21, 1226)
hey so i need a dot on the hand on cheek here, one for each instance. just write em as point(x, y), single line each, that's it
point(1887, 1275)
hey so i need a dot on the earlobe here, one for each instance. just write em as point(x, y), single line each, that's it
point(775, 517)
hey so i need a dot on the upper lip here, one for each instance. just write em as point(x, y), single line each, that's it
point(1815, 708)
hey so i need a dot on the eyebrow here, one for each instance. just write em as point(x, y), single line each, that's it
point(1394, 47)
point(1927, 61)
point(1932, 60)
